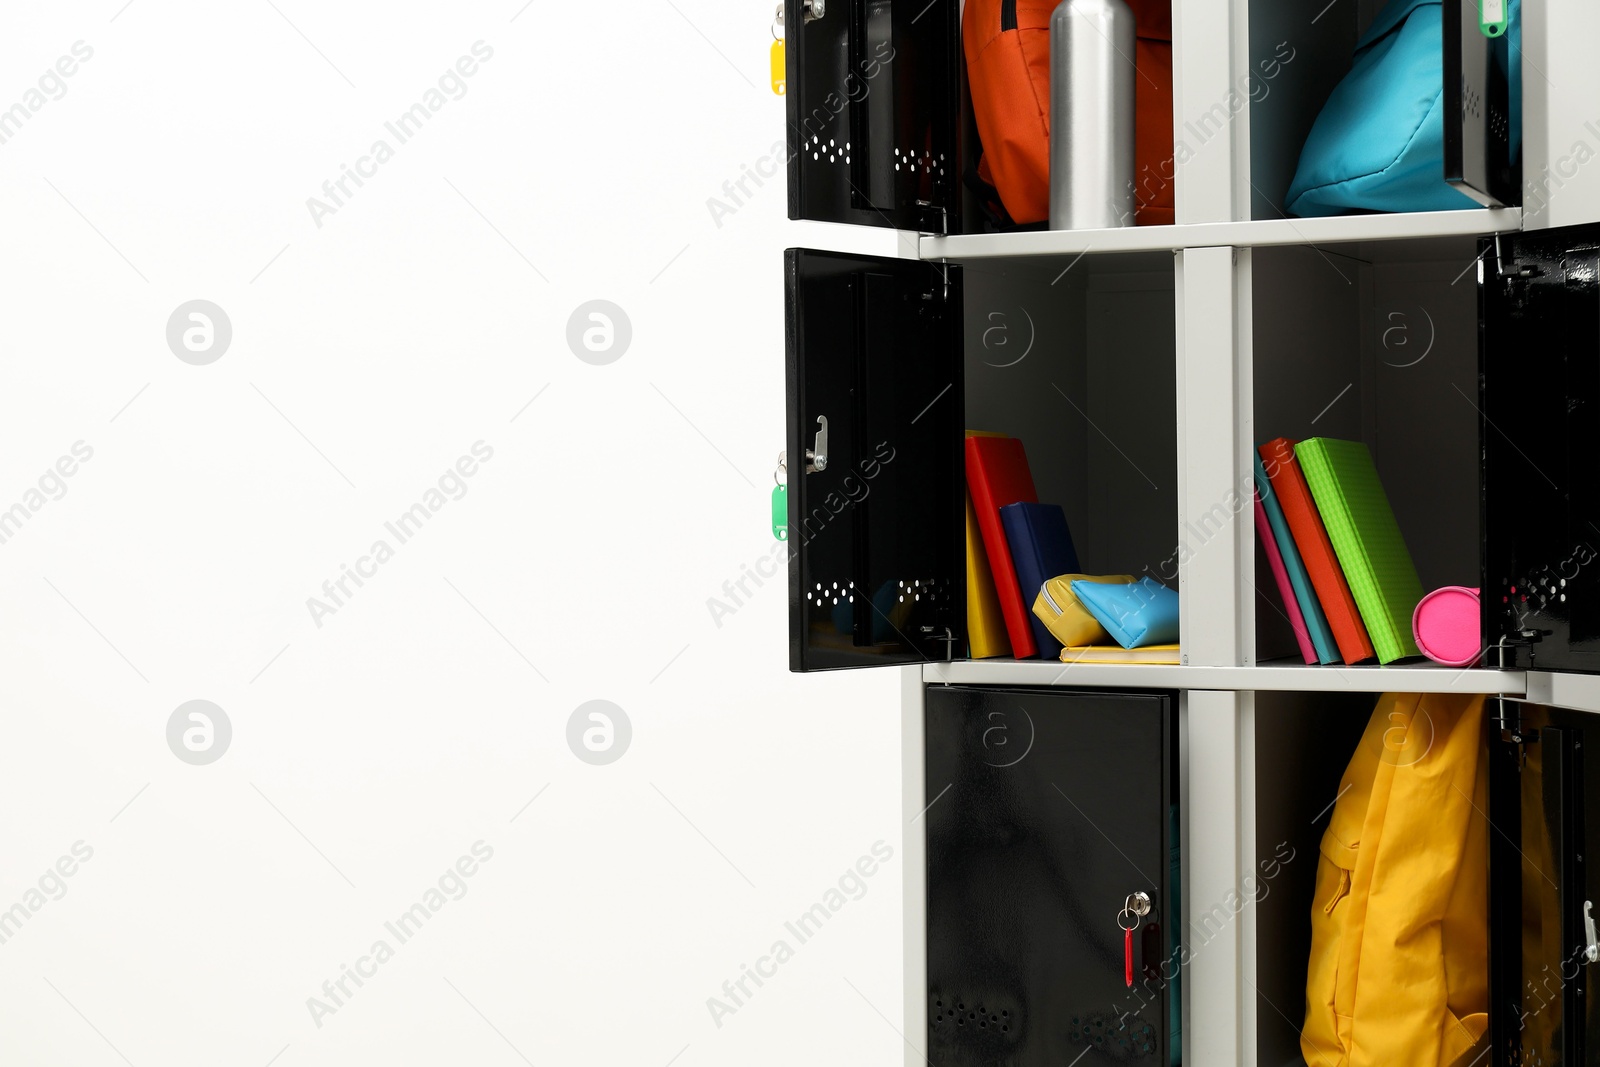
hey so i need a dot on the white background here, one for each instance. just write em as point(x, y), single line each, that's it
point(367, 356)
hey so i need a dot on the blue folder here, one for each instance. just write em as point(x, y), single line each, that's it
point(1041, 549)
point(1316, 622)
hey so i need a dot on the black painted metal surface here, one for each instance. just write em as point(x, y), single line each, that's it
point(1047, 810)
point(1545, 1012)
point(877, 570)
point(874, 106)
point(1540, 397)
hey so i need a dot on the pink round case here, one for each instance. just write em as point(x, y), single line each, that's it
point(1446, 626)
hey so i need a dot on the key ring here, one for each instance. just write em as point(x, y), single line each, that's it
point(1127, 929)
point(777, 24)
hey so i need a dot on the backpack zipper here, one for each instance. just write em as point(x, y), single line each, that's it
point(1008, 15)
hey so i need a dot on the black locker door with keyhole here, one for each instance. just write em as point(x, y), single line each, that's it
point(1479, 156)
point(874, 105)
point(1540, 400)
point(1047, 811)
point(876, 482)
point(1545, 810)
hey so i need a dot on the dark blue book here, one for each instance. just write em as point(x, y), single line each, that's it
point(1041, 549)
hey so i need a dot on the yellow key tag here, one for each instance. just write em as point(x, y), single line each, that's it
point(778, 67)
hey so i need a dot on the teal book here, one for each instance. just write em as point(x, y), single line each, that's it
point(1366, 538)
point(1327, 649)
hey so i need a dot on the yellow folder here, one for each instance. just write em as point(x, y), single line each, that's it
point(986, 627)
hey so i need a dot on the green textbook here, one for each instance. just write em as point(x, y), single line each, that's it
point(1360, 523)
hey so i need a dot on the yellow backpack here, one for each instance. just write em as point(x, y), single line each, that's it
point(1399, 968)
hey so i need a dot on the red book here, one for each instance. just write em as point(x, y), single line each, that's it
point(997, 475)
point(1316, 551)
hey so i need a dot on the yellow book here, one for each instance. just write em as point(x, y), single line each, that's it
point(1118, 654)
point(986, 627)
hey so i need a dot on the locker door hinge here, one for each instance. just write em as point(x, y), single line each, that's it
point(932, 219)
point(1507, 719)
point(1522, 639)
point(949, 640)
point(1507, 270)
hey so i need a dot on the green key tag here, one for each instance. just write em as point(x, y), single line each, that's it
point(1492, 17)
point(780, 512)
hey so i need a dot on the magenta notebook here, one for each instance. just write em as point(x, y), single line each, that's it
point(1285, 588)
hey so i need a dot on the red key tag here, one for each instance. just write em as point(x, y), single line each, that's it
point(1127, 956)
point(1133, 909)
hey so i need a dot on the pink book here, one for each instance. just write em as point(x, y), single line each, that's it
point(1285, 589)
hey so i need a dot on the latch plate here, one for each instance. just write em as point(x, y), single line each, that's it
point(817, 455)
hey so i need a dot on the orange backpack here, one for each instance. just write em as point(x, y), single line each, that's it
point(1007, 45)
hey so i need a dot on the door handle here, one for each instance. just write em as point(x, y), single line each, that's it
point(817, 455)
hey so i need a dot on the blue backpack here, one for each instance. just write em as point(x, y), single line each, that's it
point(1378, 144)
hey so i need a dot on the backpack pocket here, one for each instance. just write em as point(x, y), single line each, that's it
point(1335, 939)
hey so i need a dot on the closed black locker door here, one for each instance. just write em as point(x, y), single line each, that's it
point(876, 526)
point(1546, 815)
point(873, 99)
point(1047, 810)
point(1540, 398)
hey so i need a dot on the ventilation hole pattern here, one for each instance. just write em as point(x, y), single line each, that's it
point(915, 163)
point(917, 590)
point(831, 593)
point(972, 1020)
point(1120, 1037)
point(832, 150)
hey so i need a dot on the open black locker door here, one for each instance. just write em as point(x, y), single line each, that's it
point(1541, 897)
point(875, 410)
point(1478, 152)
point(1540, 399)
point(1051, 829)
point(874, 106)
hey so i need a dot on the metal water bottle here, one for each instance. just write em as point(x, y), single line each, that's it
point(1091, 114)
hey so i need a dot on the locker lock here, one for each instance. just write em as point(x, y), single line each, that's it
point(810, 10)
point(1591, 948)
point(817, 455)
point(1136, 907)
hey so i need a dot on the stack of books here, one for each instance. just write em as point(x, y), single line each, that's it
point(1348, 583)
point(1014, 545)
